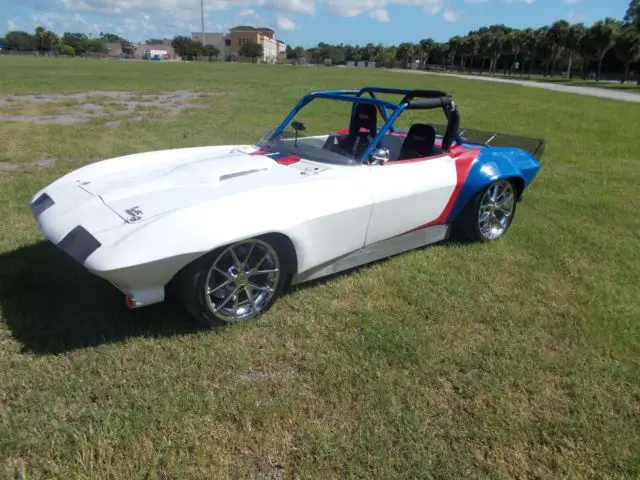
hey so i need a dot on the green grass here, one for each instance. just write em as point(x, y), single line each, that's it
point(514, 359)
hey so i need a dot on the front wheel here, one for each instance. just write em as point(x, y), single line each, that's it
point(489, 214)
point(234, 283)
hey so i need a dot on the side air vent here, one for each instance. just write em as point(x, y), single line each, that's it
point(78, 244)
point(40, 204)
point(239, 174)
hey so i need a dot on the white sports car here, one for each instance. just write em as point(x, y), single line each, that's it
point(227, 228)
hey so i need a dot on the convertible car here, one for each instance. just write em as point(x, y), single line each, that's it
point(227, 228)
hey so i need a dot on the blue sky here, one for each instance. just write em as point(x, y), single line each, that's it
point(300, 22)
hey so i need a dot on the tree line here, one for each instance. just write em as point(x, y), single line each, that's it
point(501, 48)
point(562, 45)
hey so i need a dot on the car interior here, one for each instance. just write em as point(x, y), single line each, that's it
point(419, 141)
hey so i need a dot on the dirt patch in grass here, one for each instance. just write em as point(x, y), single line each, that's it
point(69, 109)
point(43, 162)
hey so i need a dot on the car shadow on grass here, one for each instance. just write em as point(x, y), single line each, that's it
point(53, 305)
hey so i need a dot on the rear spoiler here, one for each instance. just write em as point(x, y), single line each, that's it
point(535, 146)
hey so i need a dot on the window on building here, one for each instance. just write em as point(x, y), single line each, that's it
point(227, 42)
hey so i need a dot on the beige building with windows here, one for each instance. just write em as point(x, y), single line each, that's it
point(230, 44)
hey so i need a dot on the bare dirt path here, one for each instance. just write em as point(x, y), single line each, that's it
point(611, 94)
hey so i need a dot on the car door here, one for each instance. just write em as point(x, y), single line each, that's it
point(409, 194)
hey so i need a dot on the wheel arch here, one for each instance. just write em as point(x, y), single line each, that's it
point(495, 163)
point(281, 242)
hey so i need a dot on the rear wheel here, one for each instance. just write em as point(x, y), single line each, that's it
point(233, 284)
point(489, 214)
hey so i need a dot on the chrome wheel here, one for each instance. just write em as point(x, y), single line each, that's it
point(496, 209)
point(242, 280)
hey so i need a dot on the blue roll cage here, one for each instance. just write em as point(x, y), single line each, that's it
point(356, 96)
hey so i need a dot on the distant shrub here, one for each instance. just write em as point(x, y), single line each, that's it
point(67, 50)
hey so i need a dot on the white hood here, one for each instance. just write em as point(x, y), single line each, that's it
point(168, 180)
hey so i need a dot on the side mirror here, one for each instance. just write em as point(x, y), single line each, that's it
point(298, 126)
point(379, 156)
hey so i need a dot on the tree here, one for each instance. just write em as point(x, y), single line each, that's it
point(186, 48)
point(557, 40)
point(404, 53)
point(211, 51)
point(633, 14)
point(575, 37)
point(602, 36)
point(19, 40)
point(485, 40)
point(78, 41)
point(513, 45)
point(627, 48)
point(67, 50)
point(424, 51)
point(251, 50)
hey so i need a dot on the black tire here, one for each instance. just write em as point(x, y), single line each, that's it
point(466, 227)
point(190, 284)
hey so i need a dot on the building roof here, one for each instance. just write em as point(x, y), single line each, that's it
point(248, 27)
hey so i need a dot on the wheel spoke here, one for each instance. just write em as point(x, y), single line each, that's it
point(246, 259)
point(261, 288)
point(226, 300)
point(494, 195)
point(264, 257)
point(262, 272)
point(222, 272)
point(224, 284)
point(247, 290)
point(236, 260)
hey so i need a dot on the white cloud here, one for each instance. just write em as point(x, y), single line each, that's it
point(292, 6)
point(247, 12)
point(450, 15)
point(14, 24)
point(569, 2)
point(528, 2)
point(476, 1)
point(574, 17)
point(381, 15)
point(432, 7)
point(285, 22)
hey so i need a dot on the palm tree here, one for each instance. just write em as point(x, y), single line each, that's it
point(513, 45)
point(557, 39)
point(405, 53)
point(528, 40)
point(455, 45)
point(575, 37)
point(627, 48)
point(495, 49)
point(424, 50)
point(602, 36)
point(485, 41)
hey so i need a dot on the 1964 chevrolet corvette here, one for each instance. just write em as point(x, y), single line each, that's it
point(227, 228)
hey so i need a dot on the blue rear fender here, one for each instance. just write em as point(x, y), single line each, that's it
point(494, 163)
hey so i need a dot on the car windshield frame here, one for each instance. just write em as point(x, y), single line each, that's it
point(389, 111)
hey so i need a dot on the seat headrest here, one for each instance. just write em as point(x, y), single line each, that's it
point(364, 116)
point(419, 141)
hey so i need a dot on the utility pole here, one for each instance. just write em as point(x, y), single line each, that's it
point(202, 19)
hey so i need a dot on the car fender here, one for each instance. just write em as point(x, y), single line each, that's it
point(495, 163)
point(320, 226)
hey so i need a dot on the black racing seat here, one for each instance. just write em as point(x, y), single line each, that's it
point(364, 117)
point(419, 142)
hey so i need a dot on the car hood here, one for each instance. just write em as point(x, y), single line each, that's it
point(163, 181)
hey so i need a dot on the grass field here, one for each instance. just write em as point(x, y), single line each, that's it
point(516, 359)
